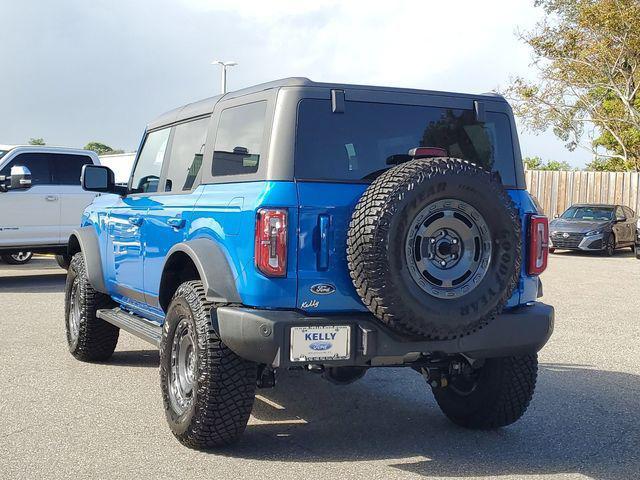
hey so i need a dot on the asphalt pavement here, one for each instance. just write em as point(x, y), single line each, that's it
point(60, 418)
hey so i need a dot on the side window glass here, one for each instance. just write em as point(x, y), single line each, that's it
point(66, 169)
point(619, 212)
point(146, 175)
point(37, 163)
point(185, 158)
point(239, 140)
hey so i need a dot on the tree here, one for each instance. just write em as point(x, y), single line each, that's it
point(587, 55)
point(101, 148)
point(36, 141)
point(536, 163)
point(532, 163)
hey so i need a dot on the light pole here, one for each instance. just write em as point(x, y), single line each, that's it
point(224, 65)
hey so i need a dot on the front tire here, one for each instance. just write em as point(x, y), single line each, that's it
point(610, 246)
point(496, 396)
point(19, 258)
point(89, 338)
point(207, 390)
point(637, 250)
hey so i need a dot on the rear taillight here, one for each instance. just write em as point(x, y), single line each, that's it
point(271, 242)
point(538, 244)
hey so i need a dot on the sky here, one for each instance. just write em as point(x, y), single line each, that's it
point(74, 71)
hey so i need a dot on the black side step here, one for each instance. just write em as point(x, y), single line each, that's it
point(133, 324)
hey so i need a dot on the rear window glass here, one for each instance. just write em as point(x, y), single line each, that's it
point(357, 144)
point(185, 158)
point(66, 169)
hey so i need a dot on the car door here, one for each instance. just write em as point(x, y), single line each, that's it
point(170, 211)
point(30, 217)
point(631, 224)
point(620, 228)
point(126, 220)
point(65, 173)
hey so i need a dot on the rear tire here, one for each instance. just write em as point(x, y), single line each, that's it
point(637, 250)
point(19, 258)
point(497, 397)
point(207, 390)
point(552, 250)
point(89, 338)
point(63, 261)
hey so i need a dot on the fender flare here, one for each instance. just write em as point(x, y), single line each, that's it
point(85, 240)
point(213, 268)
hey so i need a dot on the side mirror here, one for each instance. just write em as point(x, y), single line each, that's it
point(97, 178)
point(20, 178)
point(621, 219)
point(557, 215)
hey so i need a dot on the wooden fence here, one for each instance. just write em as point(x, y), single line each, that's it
point(558, 190)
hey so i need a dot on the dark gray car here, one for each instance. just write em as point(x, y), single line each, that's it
point(594, 227)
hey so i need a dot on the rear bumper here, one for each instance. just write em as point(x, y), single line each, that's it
point(263, 336)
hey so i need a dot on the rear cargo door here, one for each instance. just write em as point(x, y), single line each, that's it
point(324, 284)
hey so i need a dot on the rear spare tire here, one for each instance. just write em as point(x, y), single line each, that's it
point(434, 248)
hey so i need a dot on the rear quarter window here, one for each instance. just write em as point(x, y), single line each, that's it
point(238, 144)
point(356, 144)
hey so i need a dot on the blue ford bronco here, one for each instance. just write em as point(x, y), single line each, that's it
point(326, 227)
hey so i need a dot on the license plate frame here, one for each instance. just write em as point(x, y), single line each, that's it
point(327, 347)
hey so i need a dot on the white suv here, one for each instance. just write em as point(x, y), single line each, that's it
point(41, 200)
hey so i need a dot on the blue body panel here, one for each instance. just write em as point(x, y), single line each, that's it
point(134, 252)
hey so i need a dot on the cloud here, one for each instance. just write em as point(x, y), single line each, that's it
point(75, 71)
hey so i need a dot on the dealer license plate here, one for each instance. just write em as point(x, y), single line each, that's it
point(310, 344)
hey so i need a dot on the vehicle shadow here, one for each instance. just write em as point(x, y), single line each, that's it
point(47, 283)
point(134, 358)
point(581, 421)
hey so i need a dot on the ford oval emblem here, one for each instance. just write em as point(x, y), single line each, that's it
point(322, 289)
point(320, 346)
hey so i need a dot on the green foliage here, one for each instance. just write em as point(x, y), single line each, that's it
point(101, 148)
point(587, 53)
point(608, 164)
point(536, 163)
point(36, 141)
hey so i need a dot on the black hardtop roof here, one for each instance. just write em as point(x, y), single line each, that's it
point(205, 106)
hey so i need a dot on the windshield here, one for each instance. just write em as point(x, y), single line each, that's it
point(588, 213)
point(357, 144)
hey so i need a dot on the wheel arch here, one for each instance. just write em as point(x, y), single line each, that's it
point(85, 240)
point(198, 259)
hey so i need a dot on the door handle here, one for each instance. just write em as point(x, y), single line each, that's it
point(136, 220)
point(323, 251)
point(176, 222)
point(51, 198)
